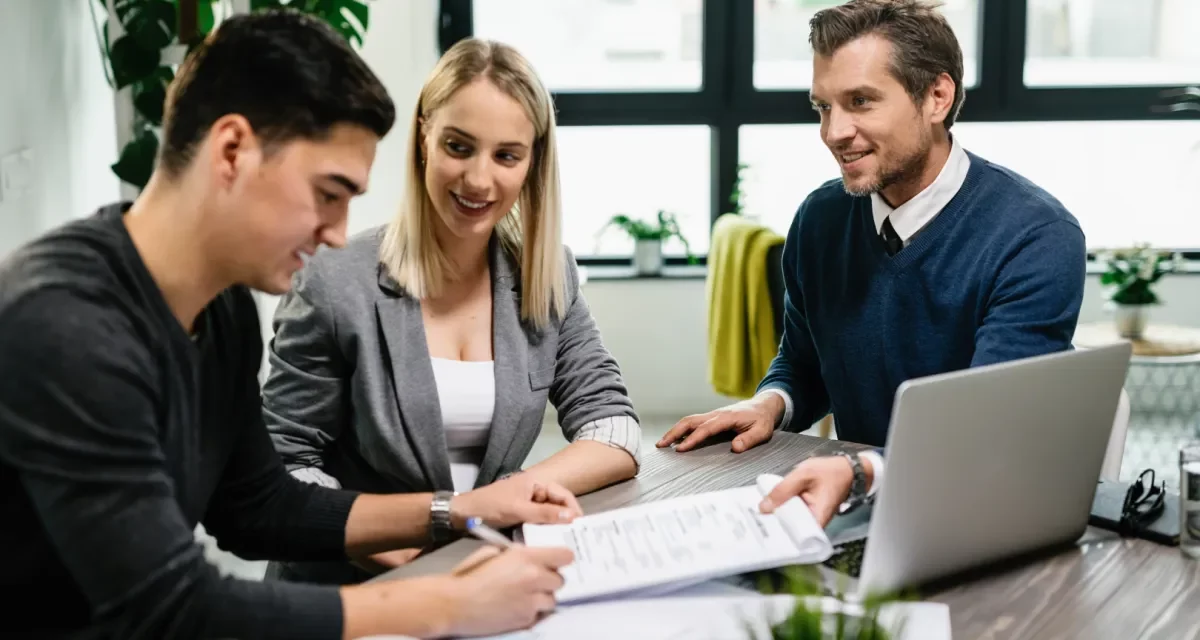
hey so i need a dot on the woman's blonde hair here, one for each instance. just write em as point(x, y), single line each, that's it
point(531, 232)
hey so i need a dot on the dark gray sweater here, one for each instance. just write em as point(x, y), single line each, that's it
point(118, 434)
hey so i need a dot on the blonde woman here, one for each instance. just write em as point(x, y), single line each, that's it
point(422, 356)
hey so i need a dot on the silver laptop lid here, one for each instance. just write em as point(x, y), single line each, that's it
point(991, 462)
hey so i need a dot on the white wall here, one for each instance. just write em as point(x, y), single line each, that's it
point(55, 102)
point(401, 48)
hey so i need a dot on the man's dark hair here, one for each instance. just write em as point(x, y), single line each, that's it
point(924, 46)
point(289, 74)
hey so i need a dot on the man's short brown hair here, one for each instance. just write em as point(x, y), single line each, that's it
point(924, 46)
point(289, 74)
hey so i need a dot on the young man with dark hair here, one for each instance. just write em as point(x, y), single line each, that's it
point(922, 258)
point(129, 402)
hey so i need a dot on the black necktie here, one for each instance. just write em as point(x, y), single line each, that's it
point(890, 238)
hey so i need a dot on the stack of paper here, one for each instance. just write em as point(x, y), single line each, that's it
point(671, 544)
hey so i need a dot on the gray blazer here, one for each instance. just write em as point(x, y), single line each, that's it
point(351, 398)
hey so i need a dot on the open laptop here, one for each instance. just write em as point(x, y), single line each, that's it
point(983, 465)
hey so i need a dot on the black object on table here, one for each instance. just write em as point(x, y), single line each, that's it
point(1139, 509)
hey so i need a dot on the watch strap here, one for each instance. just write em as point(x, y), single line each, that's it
point(441, 527)
point(858, 484)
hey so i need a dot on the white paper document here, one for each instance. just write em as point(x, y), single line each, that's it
point(670, 544)
point(715, 611)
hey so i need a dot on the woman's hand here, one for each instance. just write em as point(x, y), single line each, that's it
point(516, 500)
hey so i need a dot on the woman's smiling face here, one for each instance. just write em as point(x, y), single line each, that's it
point(477, 149)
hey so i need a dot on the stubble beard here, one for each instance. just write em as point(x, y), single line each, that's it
point(909, 168)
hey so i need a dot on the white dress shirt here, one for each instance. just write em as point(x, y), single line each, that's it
point(912, 216)
point(908, 219)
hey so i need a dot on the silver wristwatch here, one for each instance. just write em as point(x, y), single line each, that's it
point(441, 527)
point(858, 486)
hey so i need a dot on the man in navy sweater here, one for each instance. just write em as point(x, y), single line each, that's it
point(922, 258)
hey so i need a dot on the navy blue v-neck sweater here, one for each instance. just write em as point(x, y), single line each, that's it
point(997, 275)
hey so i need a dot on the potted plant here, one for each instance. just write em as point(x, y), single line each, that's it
point(737, 197)
point(648, 238)
point(810, 619)
point(1130, 275)
point(154, 37)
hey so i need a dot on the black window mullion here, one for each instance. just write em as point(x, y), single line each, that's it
point(584, 109)
point(987, 97)
point(723, 68)
point(456, 21)
point(1027, 104)
point(1097, 103)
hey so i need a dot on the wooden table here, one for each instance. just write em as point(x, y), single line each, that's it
point(1103, 587)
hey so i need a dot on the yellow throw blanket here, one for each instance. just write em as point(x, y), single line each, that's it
point(741, 326)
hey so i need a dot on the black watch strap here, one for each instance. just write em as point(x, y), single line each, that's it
point(858, 485)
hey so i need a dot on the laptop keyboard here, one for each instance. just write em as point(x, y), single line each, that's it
point(847, 558)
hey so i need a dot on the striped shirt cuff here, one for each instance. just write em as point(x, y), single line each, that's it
point(313, 475)
point(621, 432)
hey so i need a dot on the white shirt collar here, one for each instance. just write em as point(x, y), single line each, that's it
point(912, 216)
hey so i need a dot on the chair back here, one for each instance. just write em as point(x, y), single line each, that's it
point(774, 269)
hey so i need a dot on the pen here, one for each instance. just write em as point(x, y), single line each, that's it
point(477, 528)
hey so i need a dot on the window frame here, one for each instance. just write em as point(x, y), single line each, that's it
point(728, 99)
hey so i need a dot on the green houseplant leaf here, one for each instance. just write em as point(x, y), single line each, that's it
point(131, 61)
point(137, 159)
point(335, 12)
point(205, 20)
point(808, 619)
point(150, 94)
point(1130, 274)
point(663, 228)
point(151, 22)
point(135, 59)
point(338, 12)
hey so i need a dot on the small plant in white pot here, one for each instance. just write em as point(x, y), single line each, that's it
point(648, 238)
point(1130, 276)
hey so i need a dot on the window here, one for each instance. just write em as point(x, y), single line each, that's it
point(1121, 180)
point(1112, 42)
point(635, 171)
point(659, 101)
point(784, 162)
point(601, 45)
point(783, 57)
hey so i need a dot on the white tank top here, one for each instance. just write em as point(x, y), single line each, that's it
point(467, 394)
